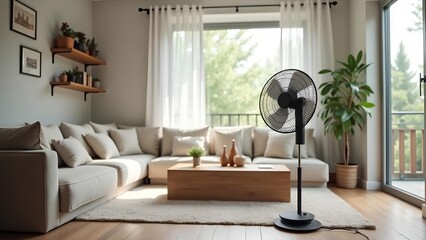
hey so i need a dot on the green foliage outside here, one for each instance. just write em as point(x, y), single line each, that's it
point(233, 78)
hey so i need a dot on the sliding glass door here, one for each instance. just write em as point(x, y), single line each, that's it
point(403, 63)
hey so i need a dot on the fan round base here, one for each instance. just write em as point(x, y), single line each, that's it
point(294, 222)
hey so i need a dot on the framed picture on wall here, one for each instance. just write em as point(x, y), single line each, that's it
point(23, 19)
point(30, 62)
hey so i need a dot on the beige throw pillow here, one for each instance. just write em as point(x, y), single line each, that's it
point(29, 137)
point(103, 128)
point(71, 151)
point(126, 141)
point(102, 144)
point(77, 132)
point(148, 137)
point(279, 145)
point(181, 145)
point(260, 140)
point(225, 138)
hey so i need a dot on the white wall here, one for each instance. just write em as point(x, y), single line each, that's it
point(25, 98)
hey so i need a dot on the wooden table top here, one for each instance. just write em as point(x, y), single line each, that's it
point(218, 167)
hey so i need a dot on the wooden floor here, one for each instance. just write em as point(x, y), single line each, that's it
point(393, 218)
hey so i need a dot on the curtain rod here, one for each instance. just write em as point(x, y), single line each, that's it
point(147, 10)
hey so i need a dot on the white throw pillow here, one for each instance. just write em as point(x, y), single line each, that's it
point(103, 128)
point(170, 133)
point(77, 132)
point(247, 138)
point(71, 151)
point(181, 145)
point(225, 138)
point(279, 145)
point(103, 145)
point(126, 141)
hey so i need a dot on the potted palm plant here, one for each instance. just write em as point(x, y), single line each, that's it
point(345, 108)
point(196, 152)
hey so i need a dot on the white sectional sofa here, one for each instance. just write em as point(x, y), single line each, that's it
point(51, 174)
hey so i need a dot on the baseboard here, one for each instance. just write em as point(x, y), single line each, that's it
point(424, 210)
point(370, 185)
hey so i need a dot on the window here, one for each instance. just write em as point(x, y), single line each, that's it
point(238, 60)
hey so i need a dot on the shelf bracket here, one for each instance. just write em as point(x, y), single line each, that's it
point(53, 57)
point(51, 90)
point(85, 95)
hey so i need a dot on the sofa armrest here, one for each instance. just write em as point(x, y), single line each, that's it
point(29, 199)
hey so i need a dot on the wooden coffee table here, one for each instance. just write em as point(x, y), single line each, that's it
point(214, 182)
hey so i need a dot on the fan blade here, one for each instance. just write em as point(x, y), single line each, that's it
point(297, 82)
point(278, 118)
point(275, 89)
point(309, 110)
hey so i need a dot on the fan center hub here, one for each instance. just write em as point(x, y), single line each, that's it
point(285, 100)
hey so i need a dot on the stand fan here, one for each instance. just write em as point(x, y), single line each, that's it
point(287, 103)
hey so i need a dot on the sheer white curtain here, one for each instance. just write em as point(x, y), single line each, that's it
point(175, 84)
point(306, 36)
point(307, 45)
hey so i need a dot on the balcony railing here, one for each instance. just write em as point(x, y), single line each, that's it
point(407, 138)
point(407, 141)
point(234, 119)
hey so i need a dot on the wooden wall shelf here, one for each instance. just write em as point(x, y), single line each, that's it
point(76, 87)
point(77, 55)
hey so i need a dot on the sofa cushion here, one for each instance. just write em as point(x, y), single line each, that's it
point(260, 138)
point(149, 138)
point(126, 141)
point(279, 145)
point(225, 138)
point(313, 170)
point(102, 144)
point(170, 133)
point(77, 132)
point(247, 148)
point(78, 186)
point(130, 168)
point(181, 145)
point(29, 137)
point(157, 168)
point(103, 128)
point(71, 152)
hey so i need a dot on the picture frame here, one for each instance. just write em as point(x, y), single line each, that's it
point(23, 19)
point(30, 62)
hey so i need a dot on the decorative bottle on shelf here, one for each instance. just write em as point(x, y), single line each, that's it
point(224, 157)
point(232, 153)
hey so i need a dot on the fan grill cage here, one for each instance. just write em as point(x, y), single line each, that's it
point(295, 82)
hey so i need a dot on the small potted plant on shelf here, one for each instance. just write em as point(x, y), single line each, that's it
point(96, 83)
point(80, 44)
point(196, 152)
point(66, 36)
point(63, 77)
point(345, 108)
point(92, 47)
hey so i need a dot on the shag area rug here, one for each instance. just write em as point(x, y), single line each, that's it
point(149, 204)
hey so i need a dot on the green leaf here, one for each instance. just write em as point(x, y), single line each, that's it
point(325, 71)
point(367, 104)
point(345, 116)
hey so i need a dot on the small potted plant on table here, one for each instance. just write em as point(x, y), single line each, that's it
point(196, 152)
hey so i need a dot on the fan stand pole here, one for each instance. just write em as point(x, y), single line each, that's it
point(298, 221)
